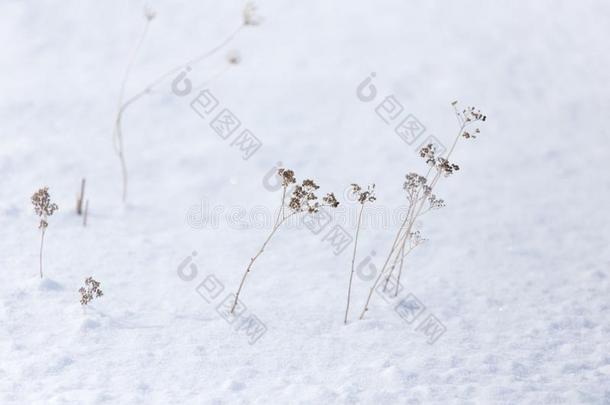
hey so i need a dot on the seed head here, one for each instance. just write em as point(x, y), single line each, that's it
point(250, 16)
point(41, 200)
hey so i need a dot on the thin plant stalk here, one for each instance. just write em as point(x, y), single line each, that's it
point(118, 133)
point(278, 222)
point(351, 276)
point(402, 260)
point(411, 221)
point(118, 136)
point(385, 264)
point(44, 208)
point(300, 201)
point(398, 256)
point(41, 246)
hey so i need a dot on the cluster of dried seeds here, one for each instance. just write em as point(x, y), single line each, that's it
point(363, 196)
point(90, 291)
point(43, 206)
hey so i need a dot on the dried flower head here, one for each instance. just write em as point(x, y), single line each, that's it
point(445, 167)
point(468, 116)
point(287, 176)
point(363, 196)
point(250, 16)
point(415, 238)
point(303, 197)
point(428, 152)
point(233, 57)
point(330, 200)
point(149, 13)
point(90, 291)
point(43, 206)
point(414, 184)
point(435, 203)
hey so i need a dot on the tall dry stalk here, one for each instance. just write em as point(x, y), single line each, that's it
point(419, 190)
point(362, 196)
point(249, 18)
point(44, 208)
point(80, 198)
point(302, 200)
point(118, 134)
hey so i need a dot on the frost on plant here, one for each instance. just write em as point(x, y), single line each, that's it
point(44, 208)
point(90, 291)
point(302, 199)
point(421, 198)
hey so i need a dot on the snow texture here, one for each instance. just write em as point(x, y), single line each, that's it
point(516, 267)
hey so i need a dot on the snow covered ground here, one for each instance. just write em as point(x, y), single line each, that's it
point(516, 269)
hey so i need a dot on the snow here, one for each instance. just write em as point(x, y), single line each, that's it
point(516, 267)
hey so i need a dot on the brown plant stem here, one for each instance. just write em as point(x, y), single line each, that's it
point(394, 244)
point(118, 133)
point(414, 217)
point(41, 246)
point(351, 276)
point(402, 260)
point(398, 255)
point(86, 213)
point(278, 222)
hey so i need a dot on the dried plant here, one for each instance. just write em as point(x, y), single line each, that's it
point(90, 291)
point(408, 244)
point(302, 199)
point(44, 208)
point(362, 197)
point(233, 57)
point(149, 15)
point(419, 192)
point(80, 198)
point(250, 15)
point(249, 18)
point(86, 213)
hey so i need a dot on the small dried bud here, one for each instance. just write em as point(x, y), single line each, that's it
point(41, 200)
point(233, 57)
point(435, 203)
point(363, 196)
point(428, 152)
point(90, 291)
point(310, 184)
point(149, 13)
point(445, 167)
point(249, 15)
point(331, 200)
point(287, 176)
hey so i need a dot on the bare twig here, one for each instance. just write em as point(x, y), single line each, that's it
point(86, 213)
point(80, 197)
point(362, 196)
point(443, 168)
point(302, 200)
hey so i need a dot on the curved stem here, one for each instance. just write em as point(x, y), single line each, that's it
point(278, 222)
point(243, 279)
point(407, 232)
point(415, 215)
point(394, 244)
point(118, 133)
point(351, 276)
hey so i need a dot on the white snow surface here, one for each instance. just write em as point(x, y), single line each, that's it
point(516, 266)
